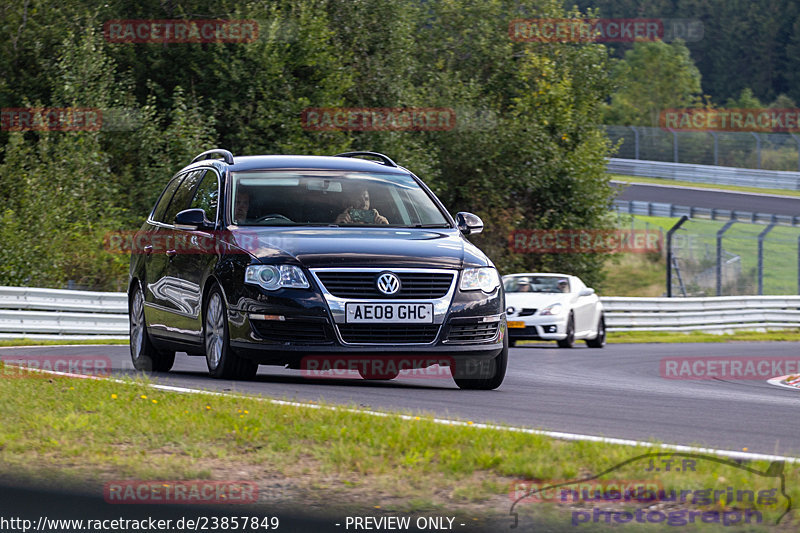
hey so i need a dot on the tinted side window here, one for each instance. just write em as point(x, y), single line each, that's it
point(181, 198)
point(207, 195)
point(166, 197)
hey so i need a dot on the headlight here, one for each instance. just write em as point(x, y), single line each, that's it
point(485, 279)
point(552, 309)
point(273, 277)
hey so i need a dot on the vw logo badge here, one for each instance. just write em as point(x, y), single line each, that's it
point(388, 283)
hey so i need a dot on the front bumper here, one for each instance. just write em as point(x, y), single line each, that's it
point(283, 327)
point(548, 328)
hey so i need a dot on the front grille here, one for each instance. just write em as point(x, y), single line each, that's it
point(302, 331)
point(413, 285)
point(482, 331)
point(388, 334)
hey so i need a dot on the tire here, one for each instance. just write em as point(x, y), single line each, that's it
point(600, 340)
point(144, 355)
point(222, 361)
point(485, 374)
point(569, 340)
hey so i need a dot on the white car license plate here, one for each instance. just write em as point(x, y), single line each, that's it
point(389, 313)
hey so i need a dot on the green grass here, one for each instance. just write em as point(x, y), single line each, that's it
point(73, 431)
point(679, 183)
point(636, 337)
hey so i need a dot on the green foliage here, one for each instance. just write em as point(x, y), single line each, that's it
point(653, 77)
point(526, 151)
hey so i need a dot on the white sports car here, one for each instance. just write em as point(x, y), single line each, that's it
point(555, 307)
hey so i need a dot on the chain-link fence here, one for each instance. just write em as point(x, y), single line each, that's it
point(771, 151)
point(712, 258)
point(719, 258)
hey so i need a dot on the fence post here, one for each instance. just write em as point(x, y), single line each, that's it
point(716, 147)
point(635, 141)
point(672, 230)
point(674, 145)
point(758, 147)
point(761, 255)
point(720, 233)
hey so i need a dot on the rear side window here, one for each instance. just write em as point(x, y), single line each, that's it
point(166, 197)
point(182, 197)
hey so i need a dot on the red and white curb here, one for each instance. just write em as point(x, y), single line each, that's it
point(789, 382)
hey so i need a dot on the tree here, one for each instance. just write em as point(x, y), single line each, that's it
point(654, 76)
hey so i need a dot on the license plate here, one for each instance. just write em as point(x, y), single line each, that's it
point(389, 313)
point(516, 324)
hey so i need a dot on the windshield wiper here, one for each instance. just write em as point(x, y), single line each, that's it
point(444, 225)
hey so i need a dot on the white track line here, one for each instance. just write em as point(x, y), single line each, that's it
point(448, 422)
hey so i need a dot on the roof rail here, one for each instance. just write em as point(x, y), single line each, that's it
point(226, 155)
point(385, 160)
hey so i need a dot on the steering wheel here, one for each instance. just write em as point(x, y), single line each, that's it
point(272, 216)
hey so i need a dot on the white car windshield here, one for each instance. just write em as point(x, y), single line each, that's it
point(324, 198)
point(552, 284)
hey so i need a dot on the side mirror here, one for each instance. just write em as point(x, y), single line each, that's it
point(468, 223)
point(586, 292)
point(190, 219)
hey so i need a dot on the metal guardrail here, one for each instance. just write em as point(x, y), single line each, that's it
point(25, 314)
point(53, 314)
point(743, 177)
point(701, 314)
point(658, 209)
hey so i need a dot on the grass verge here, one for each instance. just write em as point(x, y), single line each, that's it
point(87, 432)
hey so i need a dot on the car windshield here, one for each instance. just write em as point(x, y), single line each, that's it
point(324, 198)
point(536, 284)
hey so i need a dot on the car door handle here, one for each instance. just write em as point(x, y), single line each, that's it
point(148, 249)
point(172, 253)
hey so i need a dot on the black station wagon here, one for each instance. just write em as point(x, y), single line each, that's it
point(283, 259)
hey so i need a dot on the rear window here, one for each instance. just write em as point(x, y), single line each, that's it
point(315, 198)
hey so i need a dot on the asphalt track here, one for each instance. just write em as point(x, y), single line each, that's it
point(614, 392)
point(709, 198)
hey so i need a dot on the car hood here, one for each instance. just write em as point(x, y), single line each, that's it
point(339, 247)
point(536, 300)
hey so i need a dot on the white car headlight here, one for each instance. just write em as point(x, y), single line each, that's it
point(484, 278)
point(552, 309)
point(273, 277)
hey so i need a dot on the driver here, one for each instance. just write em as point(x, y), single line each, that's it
point(360, 202)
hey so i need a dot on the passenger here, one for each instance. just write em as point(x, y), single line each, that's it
point(241, 207)
point(563, 286)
